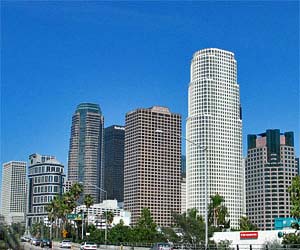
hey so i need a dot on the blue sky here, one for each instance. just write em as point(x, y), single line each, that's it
point(126, 55)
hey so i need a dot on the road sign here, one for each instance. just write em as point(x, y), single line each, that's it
point(74, 216)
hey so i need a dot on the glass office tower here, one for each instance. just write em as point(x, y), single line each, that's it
point(85, 163)
point(114, 137)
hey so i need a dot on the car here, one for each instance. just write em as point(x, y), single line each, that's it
point(66, 244)
point(25, 239)
point(88, 246)
point(46, 243)
point(35, 241)
point(162, 246)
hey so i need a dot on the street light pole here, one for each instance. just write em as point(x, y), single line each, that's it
point(204, 149)
point(101, 189)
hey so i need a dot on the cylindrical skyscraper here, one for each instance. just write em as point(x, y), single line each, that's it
point(86, 149)
point(214, 121)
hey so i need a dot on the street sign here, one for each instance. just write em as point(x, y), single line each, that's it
point(74, 216)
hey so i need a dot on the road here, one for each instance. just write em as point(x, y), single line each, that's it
point(55, 246)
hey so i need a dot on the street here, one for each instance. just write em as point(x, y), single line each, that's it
point(55, 246)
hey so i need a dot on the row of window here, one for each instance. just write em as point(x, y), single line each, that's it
point(45, 169)
point(46, 189)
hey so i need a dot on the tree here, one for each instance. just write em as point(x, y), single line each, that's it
point(120, 234)
point(9, 239)
point(247, 225)
point(76, 190)
point(61, 205)
point(18, 228)
point(294, 191)
point(293, 239)
point(217, 212)
point(109, 217)
point(192, 227)
point(88, 201)
point(145, 229)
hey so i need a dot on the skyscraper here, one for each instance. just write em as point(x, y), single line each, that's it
point(45, 181)
point(214, 121)
point(13, 194)
point(152, 163)
point(114, 137)
point(270, 167)
point(85, 163)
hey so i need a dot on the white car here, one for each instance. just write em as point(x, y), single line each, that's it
point(88, 246)
point(66, 244)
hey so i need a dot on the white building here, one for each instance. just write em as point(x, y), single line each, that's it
point(13, 195)
point(96, 213)
point(214, 121)
point(257, 239)
point(45, 181)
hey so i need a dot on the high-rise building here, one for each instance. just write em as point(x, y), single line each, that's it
point(270, 167)
point(114, 137)
point(86, 149)
point(214, 122)
point(152, 164)
point(45, 181)
point(13, 194)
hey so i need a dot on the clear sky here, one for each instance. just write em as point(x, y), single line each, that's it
point(126, 55)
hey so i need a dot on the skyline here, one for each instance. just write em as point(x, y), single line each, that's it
point(59, 54)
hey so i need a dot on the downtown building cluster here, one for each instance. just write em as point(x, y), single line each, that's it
point(140, 164)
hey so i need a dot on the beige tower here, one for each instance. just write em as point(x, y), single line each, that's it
point(152, 163)
point(270, 167)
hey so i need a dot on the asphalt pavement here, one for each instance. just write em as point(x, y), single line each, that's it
point(55, 246)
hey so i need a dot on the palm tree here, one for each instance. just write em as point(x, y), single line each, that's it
point(88, 202)
point(109, 215)
point(76, 190)
point(62, 205)
point(247, 225)
point(217, 211)
point(53, 209)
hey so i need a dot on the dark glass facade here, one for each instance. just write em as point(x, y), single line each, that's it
point(86, 149)
point(183, 166)
point(114, 137)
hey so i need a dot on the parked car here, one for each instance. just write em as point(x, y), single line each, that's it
point(25, 239)
point(161, 246)
point(66, 244)
point(35, 241)
point(88, 246)
point(46, 243)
